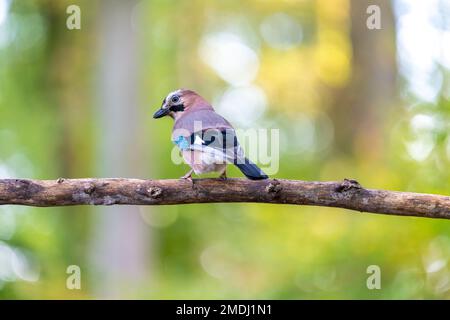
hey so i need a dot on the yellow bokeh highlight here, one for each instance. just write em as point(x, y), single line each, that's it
point(332, 58)
point(333, 50)
point(288, 81)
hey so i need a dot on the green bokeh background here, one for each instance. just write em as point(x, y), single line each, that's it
point(349, 102)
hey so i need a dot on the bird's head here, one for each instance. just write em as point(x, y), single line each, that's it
point(180, 101)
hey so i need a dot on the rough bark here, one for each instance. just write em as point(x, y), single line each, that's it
point(347, 194)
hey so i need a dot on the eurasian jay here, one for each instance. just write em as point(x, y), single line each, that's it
point(207, 141)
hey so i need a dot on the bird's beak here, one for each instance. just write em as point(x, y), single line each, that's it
point(161, 113)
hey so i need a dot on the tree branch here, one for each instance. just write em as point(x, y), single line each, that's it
point(347, 194)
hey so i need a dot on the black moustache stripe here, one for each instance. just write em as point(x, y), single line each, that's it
point(176, 108)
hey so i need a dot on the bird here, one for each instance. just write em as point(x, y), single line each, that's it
point(207, 141)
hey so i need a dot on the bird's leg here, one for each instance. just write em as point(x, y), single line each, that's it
point(188, 175)
point(223, 176)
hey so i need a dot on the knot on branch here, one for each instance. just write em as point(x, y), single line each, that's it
point(152, 192)
point(274, 187)
point(348, 184)
point(89, 188)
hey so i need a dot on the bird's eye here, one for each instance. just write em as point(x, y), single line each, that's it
point(175, 99)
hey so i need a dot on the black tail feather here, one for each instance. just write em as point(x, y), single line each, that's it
point(251, 170)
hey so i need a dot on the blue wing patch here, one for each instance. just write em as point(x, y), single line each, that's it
point(182, 143)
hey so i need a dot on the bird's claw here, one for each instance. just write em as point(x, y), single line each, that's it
point(187, 176)
point(223, 176)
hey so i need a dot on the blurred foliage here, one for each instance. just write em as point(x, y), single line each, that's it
point(303, 55)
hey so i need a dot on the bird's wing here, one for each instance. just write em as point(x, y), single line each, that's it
point(206, 131)
point(222, 144)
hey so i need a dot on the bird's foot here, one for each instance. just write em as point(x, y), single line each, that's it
point(223, 176)
point(188, 176)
